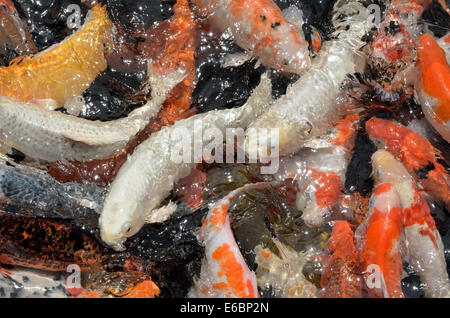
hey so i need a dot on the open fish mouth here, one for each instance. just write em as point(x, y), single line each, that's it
point(224, 148)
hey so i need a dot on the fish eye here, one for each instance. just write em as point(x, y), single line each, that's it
point(126, 228)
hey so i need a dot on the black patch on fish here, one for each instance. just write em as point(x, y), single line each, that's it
point(423, 173)
point(394, 27)
point(16, 155)
point(263, 18)
point(275, 25)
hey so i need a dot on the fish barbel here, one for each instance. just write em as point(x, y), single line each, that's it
point(260, 27)
point(424, 244)
point(51, 136)
point(149, 174)
point(311, 104)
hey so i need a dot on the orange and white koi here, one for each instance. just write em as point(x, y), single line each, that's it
point(380, 239)
point(149, 174)
point(260, 27)
point(320, 171)
point(416, 153)
point(50, 136)
point(342, 264)
point(224, 272)
point(424, 244)
point(433, 84)
point(312, 103)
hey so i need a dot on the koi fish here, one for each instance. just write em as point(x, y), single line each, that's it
point(310, 104)
point(283, 273)
point(342, 266)
point(433, 84)
point(50, 136)
point(224, 272)
point(424, 244)
point(149, 174)
point(260, 27)
point(35, 190)
point(320, 171)
point(177, 50)
point(416, 153)
point(50, 73)
point(380, 239)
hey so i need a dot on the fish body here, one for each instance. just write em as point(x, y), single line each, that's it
point(342, 266)
point(50, 74)
point(320, 172)
point(311, 104)
point(424, 244)
point(224, 272)
point(380, 239)
point(51, 136)
point(433, 84)
point(35, 190)
point(150, 173)
point(259, 27)
point(416, 153)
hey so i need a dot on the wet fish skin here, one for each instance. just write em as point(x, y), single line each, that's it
point(51, 136)
point(37, 191)
point(312, 103)
point(149, 173)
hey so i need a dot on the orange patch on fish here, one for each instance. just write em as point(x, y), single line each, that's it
point(435, 74)
point(419, 214)
point(218, 217)
point(8, 4)
point(328, 185)
point(341, 271)
point(145, 289)
point(381, 244)
point(265, 254)
point(346, 128)
point(233, 272)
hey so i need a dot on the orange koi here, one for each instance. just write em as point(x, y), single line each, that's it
point(380, 239)
point(260, 27)
point(433, 84)
point(341, 271)
point(416, 153)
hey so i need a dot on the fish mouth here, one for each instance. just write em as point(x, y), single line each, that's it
point(115, 244)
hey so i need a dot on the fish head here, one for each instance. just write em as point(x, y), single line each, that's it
point(290, 52)
point(118, 223)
